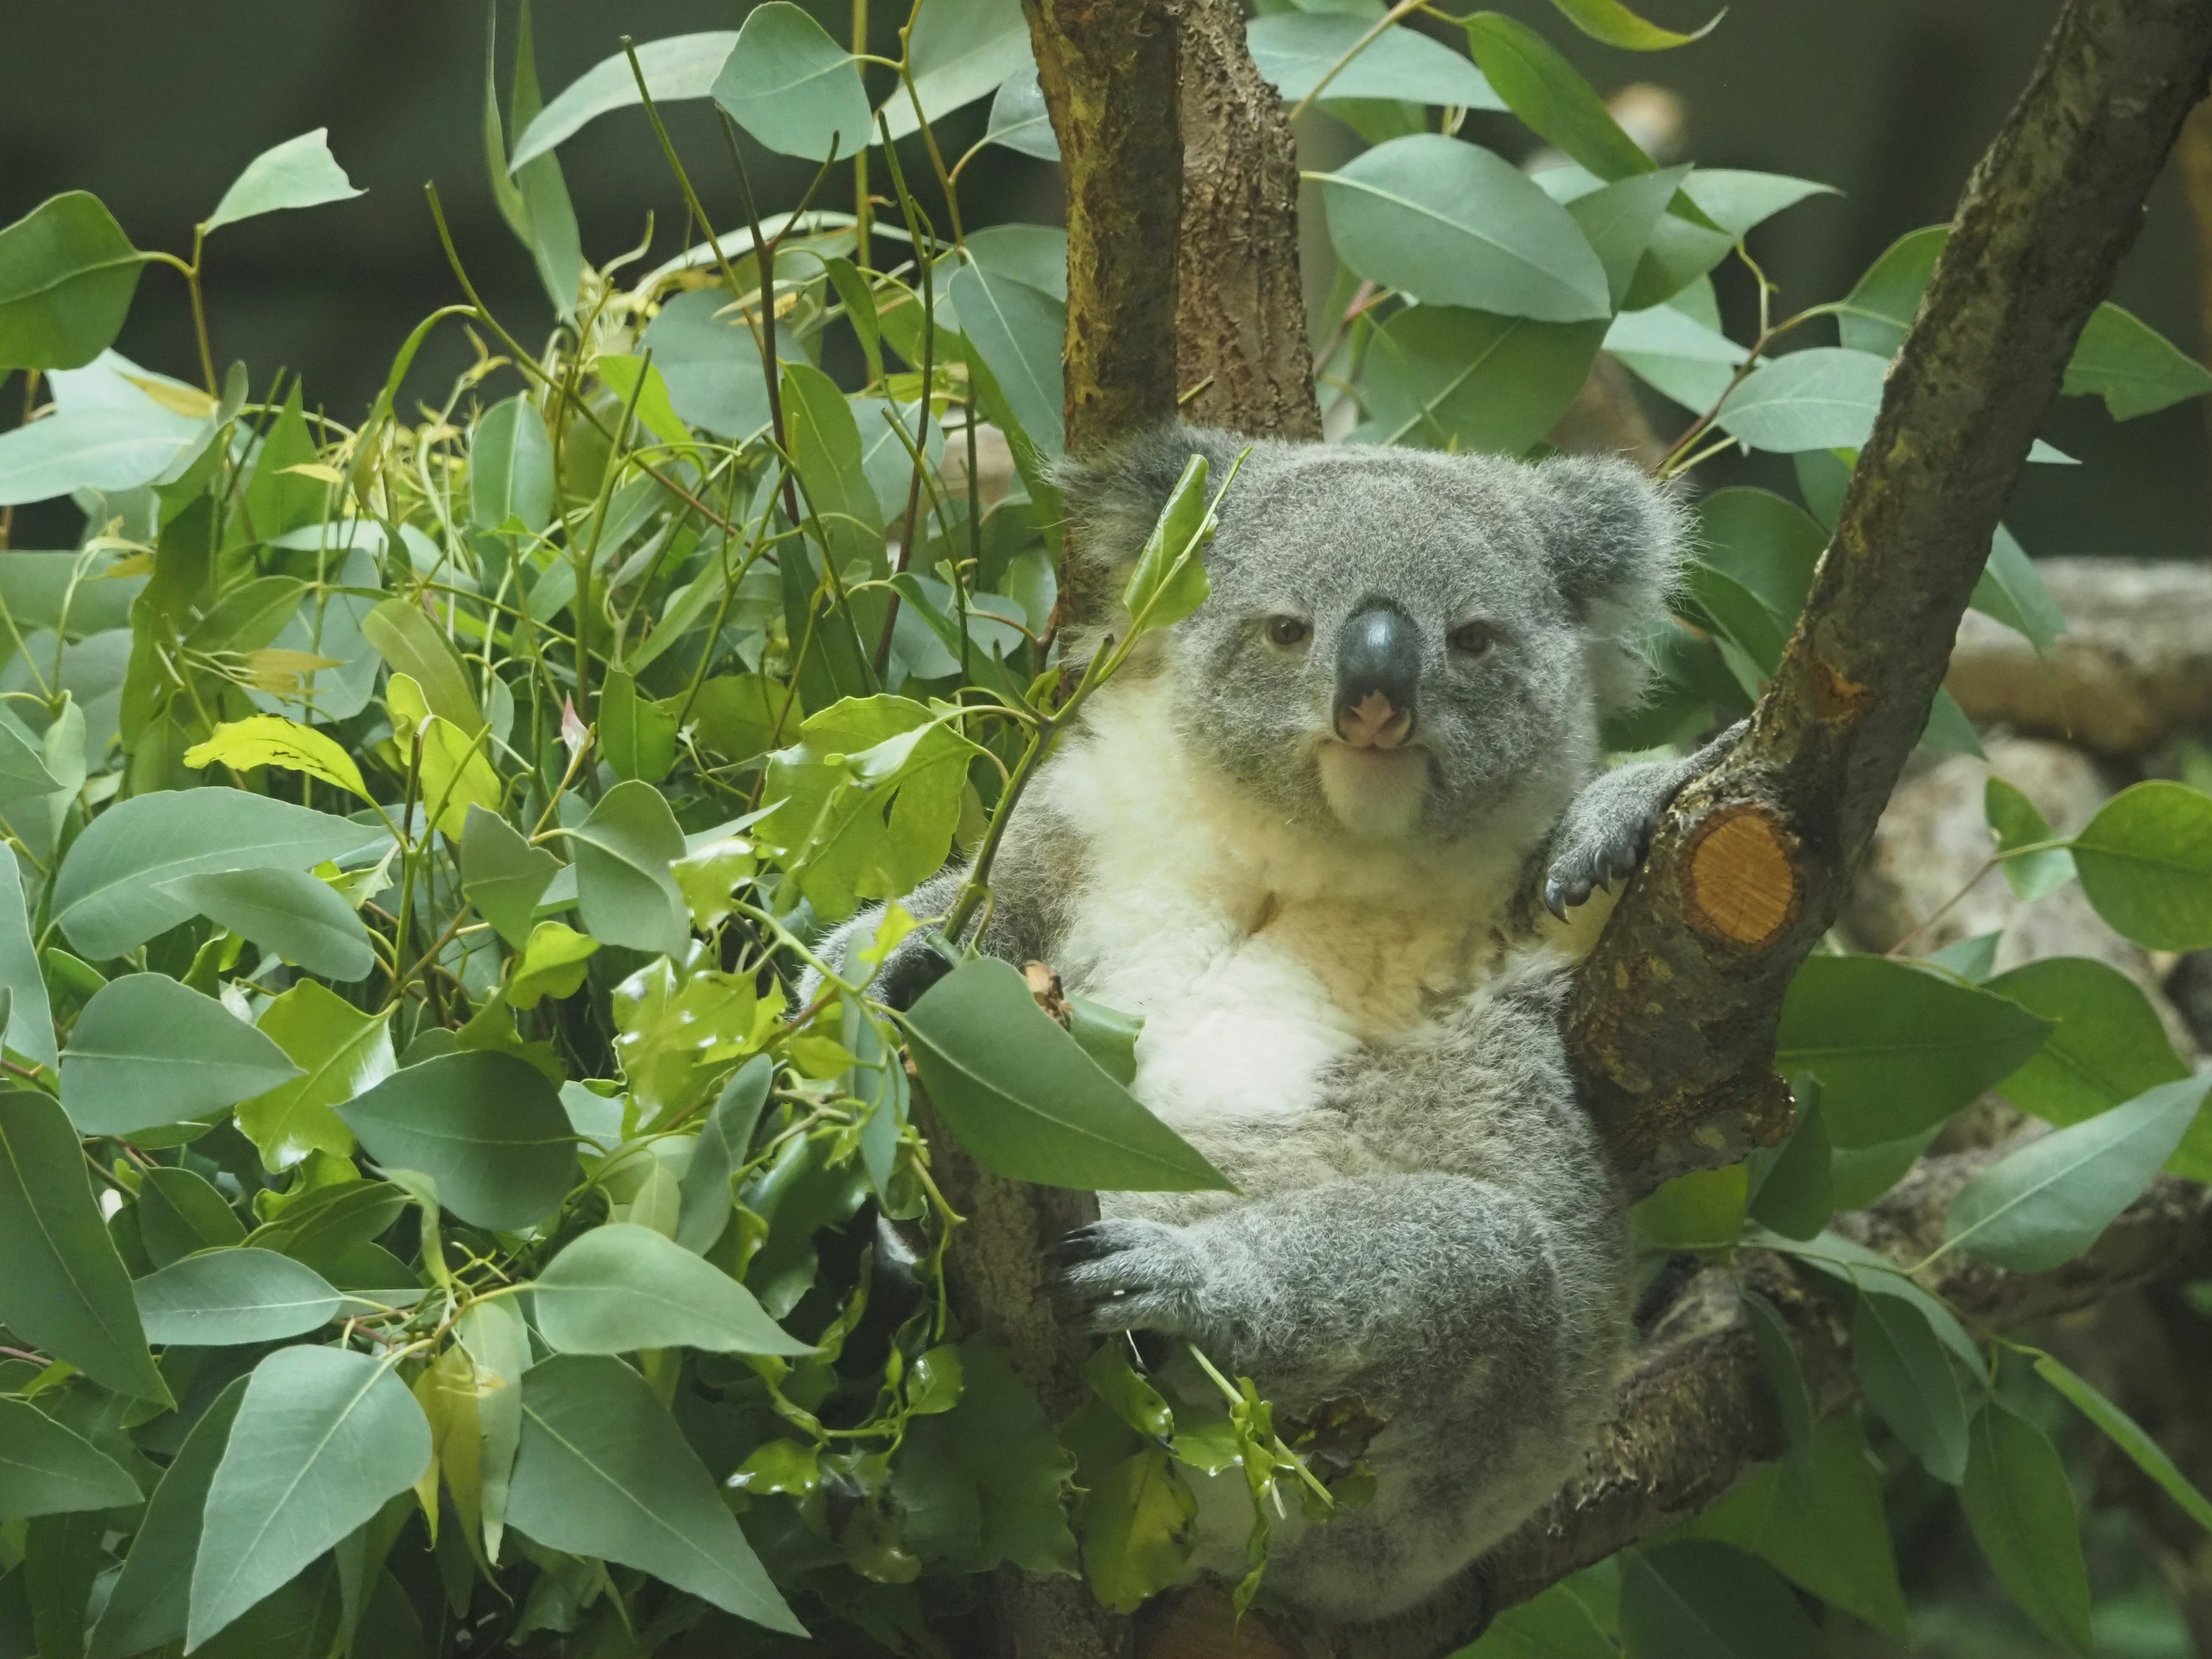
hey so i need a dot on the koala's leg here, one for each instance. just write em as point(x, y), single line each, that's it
point(1607, 827)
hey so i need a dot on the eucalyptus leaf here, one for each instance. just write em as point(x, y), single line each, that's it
point(679, 67)
point(620, 1288)
point(624, 849)
point(1544, 90)
point(286, 912)
point(226, 1297)
point(486, 1126)
point(180, 1213)
point(148, 1051)
point(725, 1141)
point(1909, 1382)
point(503, 874)
point(30, 1022)
point(47, 1469)
point(67, 276)
point(711, 363)
point(1293, 50)
point(2021, 1507)
point(2107, 1044)
point(339, 1050)
point(793, 88)
point(1695, 1599)
point(1019, 119)
point(2014, 821)
point(956, 51)
point(510, 477)
point(2145, 862)
point(300, 172)
point(2128, 1435)
point(1019, 332)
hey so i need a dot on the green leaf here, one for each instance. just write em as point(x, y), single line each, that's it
point(339, 1050)
point(226, 1297)
point(1948, 728)
point(2011, 590)
point(2145, 862)
point(2014, 821)
point(30, 1020)
point(502, 875)
point(410, 644)
point(1879, 309)
point(2048, 1202)
point(2128, 1435)
point(623, 850)
point(1910, 1383)
point(1019, 332)
point(288, 913)
point(498, 1344)
point(1140, 1524)
point(1107, 1035)
point(1031, 1105)
point(1556, 1625)
point(1610, 21)
point(1675, 355)
point(1019, 119)
point(300, 172)
point(793, 88)
point(2107, 1044)
point(710, 363)
point(2018, 1502)
point(107, 896)
point(535, 201)
point(64, 1290)
point(322, 1438)
point(957, 51)
point(510, 477)
point(1753, 569)
point(148, 1051)
point(726, 1139)
point(1450, 224)
point(1292, 49)
point(178, 1213)
point(622, 1287)
point(1700, 1600)
point(638, 735)
point(1007, 1444)
point(486, 1126)
point(147, 1608)
point(1796, 1192)
point(1897, 1048)
point(1619, 221)
point(1700, 1210)
point(1825, 1532)
point(681, 66)
point(605, 1472)
point(1542, 88)
point(1446, 378)
point(550, 964)
point(47, 1469)
point(1785, 1377)
point(67, 276)
point(1169, 581)
point(1871, 1274)
point(2131, 366)
point(1820, 398)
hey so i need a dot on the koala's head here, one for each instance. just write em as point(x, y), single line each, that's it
point(1407, 645)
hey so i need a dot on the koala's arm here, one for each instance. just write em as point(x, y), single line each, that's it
point(1031, 880)
point(1607, 826)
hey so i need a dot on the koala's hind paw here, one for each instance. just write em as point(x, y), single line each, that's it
point(1130, 1275)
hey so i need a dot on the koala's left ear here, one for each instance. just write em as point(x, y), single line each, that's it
point(1616, 541)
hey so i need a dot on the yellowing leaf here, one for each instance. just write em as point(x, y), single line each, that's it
point(455, 773)
point(321, 471)
point(273, 669)
point(272, 740)
point(185, 400)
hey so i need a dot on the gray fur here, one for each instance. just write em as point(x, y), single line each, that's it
point(1439, 1234)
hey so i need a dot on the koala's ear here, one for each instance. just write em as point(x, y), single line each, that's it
point(1114, 499)
point(1616, 541)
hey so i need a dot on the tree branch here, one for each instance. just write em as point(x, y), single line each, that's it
point(1673, 1019)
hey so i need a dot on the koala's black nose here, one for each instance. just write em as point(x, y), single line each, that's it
point(1378, 675)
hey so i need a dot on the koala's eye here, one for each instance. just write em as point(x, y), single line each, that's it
point(1473, 639)
point(1288, 630)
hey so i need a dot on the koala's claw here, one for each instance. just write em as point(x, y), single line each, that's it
point(1128, 1275)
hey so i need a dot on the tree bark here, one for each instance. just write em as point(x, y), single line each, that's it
point(1109, 72)
point(1242, 356)
point(1673, 1019)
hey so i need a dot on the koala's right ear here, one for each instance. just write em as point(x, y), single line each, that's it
point(1114, 499)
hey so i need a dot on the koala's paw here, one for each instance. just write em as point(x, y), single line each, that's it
point(1595, 849)
point(1131, 1276)
point(911, 968)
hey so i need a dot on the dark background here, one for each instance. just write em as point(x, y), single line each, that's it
point(156, 107)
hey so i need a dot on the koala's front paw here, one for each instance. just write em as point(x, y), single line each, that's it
point(1596, 852)
point(1131, 1275)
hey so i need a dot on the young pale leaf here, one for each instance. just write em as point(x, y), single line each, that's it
point(226, 1297)
point(603, 1471)
point(2014, 821)
point(106, 897)
point(287, 912)
point(149, 1050)
point(1019, 333)
point(67, 276)
point(2108, 1044)
point(339, 1050)
point(1452, 224)
point(2021, 1509)
point(1140, 1524)
point(679, 67)
point(147, 1606)
point(30, 1022)
point(486, 1126)
point(510, 477)
point(1910, 1383)
point(793, 88)
point(1616, 25)
point(452, 768)
point(2146, 863)
point(1293, 50)
point(1169, 579)
point(64, 1290)
point(51, 1470)
point(503, 874)
point(272, 740)
point(2131, 366)
point(2048, 1202)
point(1028, 1102)
point(499, 1344)
point(1542, 88)
point(552, 964)
point(725, 1141)
point(322, 1438)
point(180, 1213)
point(622, 1287)
point(2128, 1435)
point(1695, 1599)
point(1897, 1050)
point(300, 172)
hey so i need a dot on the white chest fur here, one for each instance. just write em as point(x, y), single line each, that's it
point(1256, 950)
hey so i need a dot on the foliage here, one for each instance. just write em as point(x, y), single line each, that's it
point(446, 1186)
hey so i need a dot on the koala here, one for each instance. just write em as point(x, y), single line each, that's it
point(1311, 834)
